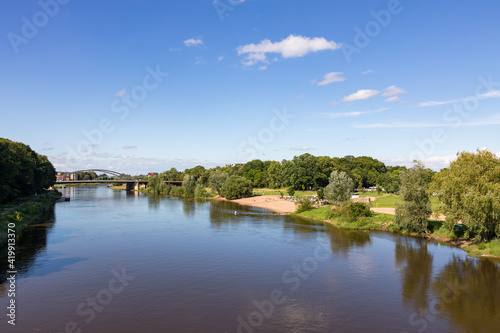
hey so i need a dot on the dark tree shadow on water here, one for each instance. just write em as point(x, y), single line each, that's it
point(30, 246)
point(343, 241)
point(467, 293)
point(412, 257)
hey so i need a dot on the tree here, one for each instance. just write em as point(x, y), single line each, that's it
point(236, 187)
point(340, 187)
point(469, 191)
point(216, 180)
point(274, 175)
point(189, 185)
point(413, 212)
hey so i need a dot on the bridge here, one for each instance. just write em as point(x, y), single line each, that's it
point(132, 184)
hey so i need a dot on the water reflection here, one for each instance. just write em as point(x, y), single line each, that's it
point(343, 241)
point(467, 292)
point(415, 263)
point(31, 242)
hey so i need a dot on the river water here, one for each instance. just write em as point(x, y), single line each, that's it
point(111, 261)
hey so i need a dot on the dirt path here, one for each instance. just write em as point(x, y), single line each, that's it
point(21, 204)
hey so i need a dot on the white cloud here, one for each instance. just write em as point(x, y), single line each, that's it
point(493, 120)
point(199, 61)
point(300, 96)
point(490, 94)
point(367, 72)
point(174, 49)
point(349, 114)
point(432, 162)
point(262, 68)
point(129, 147)
point(486, 95)
point(360, 95)
point(291, 47)
point(331, 77)
point(393, 91)
point(394, 99)
point(193, 42)
point(220, 58)
point(303, 148)
point(120, 93)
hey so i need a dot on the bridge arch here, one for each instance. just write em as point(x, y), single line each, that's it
point(107, 172)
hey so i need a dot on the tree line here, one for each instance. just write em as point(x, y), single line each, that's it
point(303, 172)
point(22, 171)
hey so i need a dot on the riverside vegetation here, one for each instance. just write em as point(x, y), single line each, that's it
point(24, 175)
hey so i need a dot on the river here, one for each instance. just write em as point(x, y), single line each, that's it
point(111, 261)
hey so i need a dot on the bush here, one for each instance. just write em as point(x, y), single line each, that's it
point(200, 191)
point(358, 210)
point(236, 187)
point(304, 205)
point(291, 191)
point(352, 211)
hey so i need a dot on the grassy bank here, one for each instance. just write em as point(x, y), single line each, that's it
point(27, 214)
point(385, 222)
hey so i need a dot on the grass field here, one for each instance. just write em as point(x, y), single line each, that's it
point(267, 191)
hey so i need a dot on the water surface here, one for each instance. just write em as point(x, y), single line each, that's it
point(111, 261)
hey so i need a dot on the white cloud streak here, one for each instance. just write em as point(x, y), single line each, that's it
point(331, 77)
point(487, 95)
point(193, 42)
point(291, 47)
point(360, 95)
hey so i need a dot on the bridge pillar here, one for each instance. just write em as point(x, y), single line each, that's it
point(137, 186)
point(130, 186)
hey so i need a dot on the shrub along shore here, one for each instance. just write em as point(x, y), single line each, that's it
point(29, 213)
point(437, 231)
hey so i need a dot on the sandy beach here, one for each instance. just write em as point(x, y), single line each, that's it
point(279, 205)
point(271, 202)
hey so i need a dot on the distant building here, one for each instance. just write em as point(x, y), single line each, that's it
point(62, 177)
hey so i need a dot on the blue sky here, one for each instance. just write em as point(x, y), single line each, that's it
point(139, 86)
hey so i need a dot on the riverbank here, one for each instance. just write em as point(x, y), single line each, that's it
point(26, 213)
point(384, 222)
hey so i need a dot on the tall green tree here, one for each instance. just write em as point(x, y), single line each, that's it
point(412, 214)
point(216, 180)
point(469, 191)
point(236, 187)
point(339, 188)
point(189, 185)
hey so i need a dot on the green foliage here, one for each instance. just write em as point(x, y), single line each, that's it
point(412, 214)
point(303, 205)
point(358, 209)
point(352, 211)
point(236, 187)
point(469, 191)
point(23, 171)
point(27, 214)
point(291, 191)
point(216, 179)
point(189, 185)
point(200, 191)
point(340, 187)
point(321, 193)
